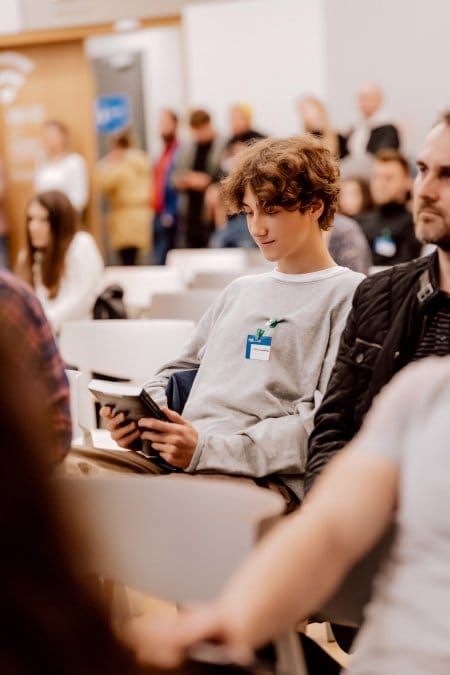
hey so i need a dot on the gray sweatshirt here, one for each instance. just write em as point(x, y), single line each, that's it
point(254, 416)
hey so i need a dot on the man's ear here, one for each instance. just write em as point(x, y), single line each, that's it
point(316, 208)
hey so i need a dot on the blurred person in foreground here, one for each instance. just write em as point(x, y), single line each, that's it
point(373, 131)
point(197, 165)
point(124, 175)
point(52, 621)
point(62, 168)
point(265, 348)
point(396, 469)
point(61, 263)
point(164, 200)
point(389, 226)
point(23, 320)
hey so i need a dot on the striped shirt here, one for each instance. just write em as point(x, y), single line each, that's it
point(435, 340)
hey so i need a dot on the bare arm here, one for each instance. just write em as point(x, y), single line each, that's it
point(293, 570)
point(303, 560)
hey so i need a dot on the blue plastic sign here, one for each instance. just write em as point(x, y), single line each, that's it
point(112, 113)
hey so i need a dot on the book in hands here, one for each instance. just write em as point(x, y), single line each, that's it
point(135, 403)
point(126, 398)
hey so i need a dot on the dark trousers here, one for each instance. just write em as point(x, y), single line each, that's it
point(163, 239)
point(128, 256)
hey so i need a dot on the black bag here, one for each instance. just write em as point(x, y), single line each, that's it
point(110, 304)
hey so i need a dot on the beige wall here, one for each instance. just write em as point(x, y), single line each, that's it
point(43, 14)
point(58, 85)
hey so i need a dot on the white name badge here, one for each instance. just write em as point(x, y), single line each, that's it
point(258, 350)
point(385, 246)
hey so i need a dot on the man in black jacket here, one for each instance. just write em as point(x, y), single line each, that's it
point(398, 316)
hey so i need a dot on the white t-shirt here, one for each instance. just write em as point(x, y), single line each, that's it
point(79, 286)
point(407, 626)
point(69, 175)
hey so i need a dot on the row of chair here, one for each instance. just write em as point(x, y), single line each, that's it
point(196, 269)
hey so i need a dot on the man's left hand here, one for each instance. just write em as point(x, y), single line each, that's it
point(175, 440)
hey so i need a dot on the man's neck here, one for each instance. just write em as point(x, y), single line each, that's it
point(444, 270)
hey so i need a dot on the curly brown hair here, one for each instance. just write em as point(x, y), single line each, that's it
point(293, 173)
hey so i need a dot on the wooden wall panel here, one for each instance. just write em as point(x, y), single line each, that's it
point(59, 85)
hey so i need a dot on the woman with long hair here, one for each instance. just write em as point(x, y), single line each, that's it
point(61, 263)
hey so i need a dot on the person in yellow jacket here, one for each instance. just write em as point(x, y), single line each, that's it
point(124, 175)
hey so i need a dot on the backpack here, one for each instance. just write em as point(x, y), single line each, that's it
point(110, 304)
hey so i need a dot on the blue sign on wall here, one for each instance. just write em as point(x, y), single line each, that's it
point(112, 113)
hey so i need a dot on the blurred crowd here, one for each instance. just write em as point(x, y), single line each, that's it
point(176, 201)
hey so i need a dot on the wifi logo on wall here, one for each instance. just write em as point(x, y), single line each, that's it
point(14, 70)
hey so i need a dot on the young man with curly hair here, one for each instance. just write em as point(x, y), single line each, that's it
point(265, 348)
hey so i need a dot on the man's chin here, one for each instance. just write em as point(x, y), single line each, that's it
point(444, 245)
point(442, 242)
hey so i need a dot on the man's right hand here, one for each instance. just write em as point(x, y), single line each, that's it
point(123, 434)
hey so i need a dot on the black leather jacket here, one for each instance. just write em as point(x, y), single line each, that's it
point(386, 323)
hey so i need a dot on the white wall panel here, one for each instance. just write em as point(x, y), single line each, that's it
point(10, 16)
point(401, 44)
point(263, 52)
point(59, 13)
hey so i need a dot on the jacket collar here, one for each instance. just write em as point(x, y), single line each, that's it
point(428, 284)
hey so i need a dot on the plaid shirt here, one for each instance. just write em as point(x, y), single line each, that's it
point(22, 315)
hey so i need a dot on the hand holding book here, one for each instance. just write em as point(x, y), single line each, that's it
point(133, 416)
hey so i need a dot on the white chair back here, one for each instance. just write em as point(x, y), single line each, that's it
point(131, 349)
point(73, 376)
point(178, 538)
point(188, 261)
point(81, 409)
point(190, 304)
point(219, 280)
point(140, 282)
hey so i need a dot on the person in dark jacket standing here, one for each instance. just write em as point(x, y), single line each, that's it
point(399, 315)
point(197, 165)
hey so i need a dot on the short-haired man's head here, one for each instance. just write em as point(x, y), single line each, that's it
point(293, 173)
point(168, 124)
point(122, 140)
point(199, 118)
point(390, 179)
point(370, 98)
